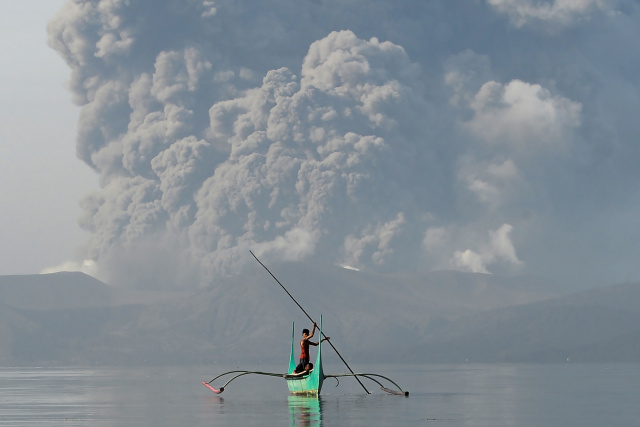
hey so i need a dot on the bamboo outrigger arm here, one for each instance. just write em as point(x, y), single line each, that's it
point(239, 374)
point(368, 376)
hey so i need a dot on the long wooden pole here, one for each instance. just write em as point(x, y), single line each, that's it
point(309, 317)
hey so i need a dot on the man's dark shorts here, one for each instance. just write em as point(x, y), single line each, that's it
point(301, 365)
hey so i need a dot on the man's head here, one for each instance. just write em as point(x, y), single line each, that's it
point(305, 332)
point(308, 366)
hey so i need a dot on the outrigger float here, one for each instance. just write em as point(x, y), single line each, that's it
point(306, 383)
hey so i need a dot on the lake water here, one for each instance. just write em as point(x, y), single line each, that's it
point(441, 395)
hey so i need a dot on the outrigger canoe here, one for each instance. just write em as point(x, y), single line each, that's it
point(307, 384)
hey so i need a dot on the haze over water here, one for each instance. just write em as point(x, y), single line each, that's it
point(451, 395)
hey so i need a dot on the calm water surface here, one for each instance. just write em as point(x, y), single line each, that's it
point(441, 395)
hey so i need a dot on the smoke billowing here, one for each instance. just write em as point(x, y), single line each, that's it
point(487, 136)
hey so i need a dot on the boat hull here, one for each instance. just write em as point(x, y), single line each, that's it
point(308, 386)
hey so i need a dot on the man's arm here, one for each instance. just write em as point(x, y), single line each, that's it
point(315, 343)
point(313, 331)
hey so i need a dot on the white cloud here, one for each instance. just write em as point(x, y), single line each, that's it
point(377, 240)
point(209, 8)
point(470, 261)
point(522, 116)
point(491, 182)
point(296, 244)
point(465, 73)
point(498, 249)
point(501, 247)
point(559, 12)
point(485, 250)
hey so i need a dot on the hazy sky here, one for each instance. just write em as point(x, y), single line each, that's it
point(41, 179)
point(494, 136)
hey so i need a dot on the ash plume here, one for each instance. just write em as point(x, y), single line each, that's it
point(373, 134)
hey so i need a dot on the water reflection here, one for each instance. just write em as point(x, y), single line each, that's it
point(305, 411)
point(217, 403)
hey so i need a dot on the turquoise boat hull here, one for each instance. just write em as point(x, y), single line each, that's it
point(311, 384)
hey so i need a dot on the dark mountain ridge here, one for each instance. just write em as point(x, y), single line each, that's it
point(72, 318)
point(597, 325)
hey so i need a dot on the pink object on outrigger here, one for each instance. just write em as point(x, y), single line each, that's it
point(216, 391)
